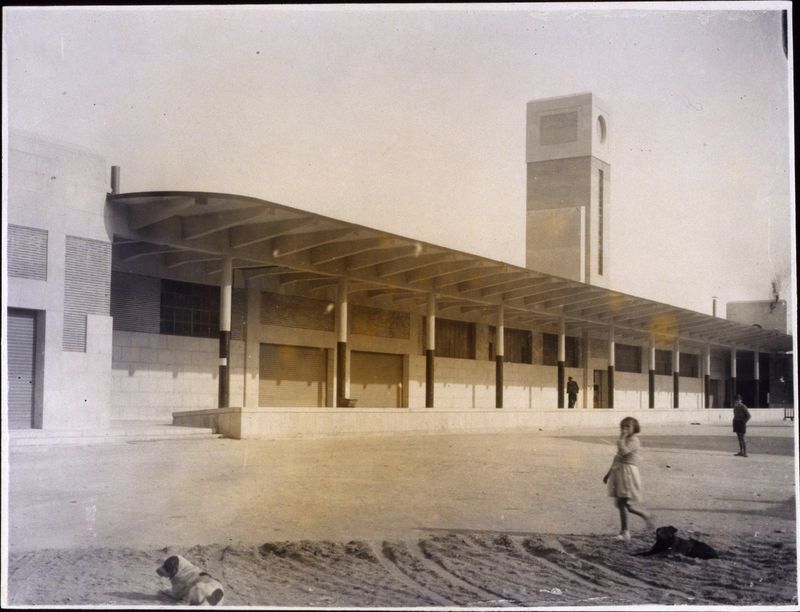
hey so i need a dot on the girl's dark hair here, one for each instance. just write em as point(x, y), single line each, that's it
point(632, 422)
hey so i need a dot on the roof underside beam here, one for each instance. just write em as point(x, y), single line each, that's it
point(407, 264)
point(197, 226)
point(311, 251)
point(246, 235)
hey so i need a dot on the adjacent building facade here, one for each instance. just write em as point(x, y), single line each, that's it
point(261, 319)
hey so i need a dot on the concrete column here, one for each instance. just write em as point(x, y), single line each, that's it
point(733, 376)
point(115, 179)
point(651, 374)
point(562, 339)
point(756, 371)
point(253, 348)
point(342, 382)
point(707, 376)
point(588, 393)
point(499, 353)
point(676, 374)
point(611, 351)
point(430, 349)
point(225, 295)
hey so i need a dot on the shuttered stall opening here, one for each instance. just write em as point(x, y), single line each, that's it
point(292, 376)
point(376, 379)
point(21, 367)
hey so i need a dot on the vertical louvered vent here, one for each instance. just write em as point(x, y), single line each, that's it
point(27, 252)
point(135, 302)
point(87, 280)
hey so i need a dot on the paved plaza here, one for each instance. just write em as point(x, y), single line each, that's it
point(214, 490)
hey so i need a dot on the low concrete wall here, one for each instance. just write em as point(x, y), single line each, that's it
point(270, 423)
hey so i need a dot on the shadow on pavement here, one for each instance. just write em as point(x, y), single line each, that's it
point(756, 445)
point(781, 510)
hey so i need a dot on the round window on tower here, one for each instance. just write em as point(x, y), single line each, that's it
point(601, 128)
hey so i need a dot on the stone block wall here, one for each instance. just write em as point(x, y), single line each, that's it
point(155, 375)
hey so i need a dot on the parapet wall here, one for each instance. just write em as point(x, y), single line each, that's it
point(272, 423)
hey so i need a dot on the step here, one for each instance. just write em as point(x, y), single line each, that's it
point(118, 432)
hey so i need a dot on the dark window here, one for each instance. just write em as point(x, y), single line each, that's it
point(744, 365)
point(455, 339)
point(628, 358)
point(600, 223)
point(549, 349)
point(663, 362)
point(572, 350)
point(518, 345)
point(189, 309)
point(690, 365)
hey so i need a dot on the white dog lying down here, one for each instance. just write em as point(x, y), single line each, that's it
point(190, 583)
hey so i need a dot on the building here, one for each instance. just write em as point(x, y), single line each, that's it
point(569, 180)
point(264, 320)
point(776, 371)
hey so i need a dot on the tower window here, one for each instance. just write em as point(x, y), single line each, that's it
point(600, 223)
point(601, 128)
point(558, 128)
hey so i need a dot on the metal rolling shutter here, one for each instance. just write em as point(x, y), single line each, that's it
point(292, 376)
point(21, 367)
point(376, 379)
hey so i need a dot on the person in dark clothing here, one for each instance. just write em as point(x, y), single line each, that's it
point(572, 392)
point(740, 417)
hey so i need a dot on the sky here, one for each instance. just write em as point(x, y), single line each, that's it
point(411, 119)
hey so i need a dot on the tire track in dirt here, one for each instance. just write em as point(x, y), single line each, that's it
point(622, 577)
point(496, 559)
point(348, 573)
point(438, 564)
point(538, 581)
point(388, 559)
point(410, 560)
point(569, 574)
point(464, 569)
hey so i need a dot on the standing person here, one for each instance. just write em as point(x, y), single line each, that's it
point(624, 482)
point(572, 392)
point(740, 417)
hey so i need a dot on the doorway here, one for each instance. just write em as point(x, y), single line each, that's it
point(21, 368)
point(600, 388)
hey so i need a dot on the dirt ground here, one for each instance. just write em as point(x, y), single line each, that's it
point(479, 520)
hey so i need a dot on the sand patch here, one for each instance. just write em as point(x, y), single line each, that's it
point(476, 569)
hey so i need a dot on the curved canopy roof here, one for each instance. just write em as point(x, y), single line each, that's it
point(308, 253)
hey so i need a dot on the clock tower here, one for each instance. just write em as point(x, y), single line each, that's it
point(568, 188)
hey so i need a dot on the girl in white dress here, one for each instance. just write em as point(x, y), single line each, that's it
point(624, 482)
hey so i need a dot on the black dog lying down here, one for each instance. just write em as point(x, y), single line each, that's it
point(666, 540)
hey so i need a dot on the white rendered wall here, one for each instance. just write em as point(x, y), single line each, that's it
point(155, 375)
point(690, 394)
point(61, 189)
point(470, 384)
point(663, 394)
point(631, 391)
